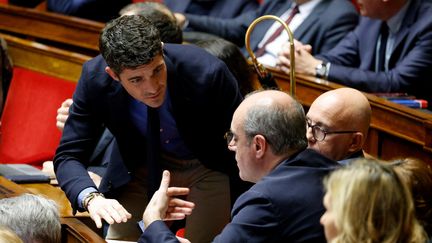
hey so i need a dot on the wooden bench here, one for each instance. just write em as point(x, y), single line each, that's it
point(11, 189)
point(43, 77)
point(73, 230)
point(395, 131)
point(66, 32)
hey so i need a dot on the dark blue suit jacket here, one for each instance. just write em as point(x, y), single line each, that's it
point(99, 10)
point(215, 8)
point(410, 65)
point(285, 206)
point(328, 23)
point(204, 95)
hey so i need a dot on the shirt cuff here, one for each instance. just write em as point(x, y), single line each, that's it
point(185, 25)
point(141, 225)
point(328, 65)
point(83, 194)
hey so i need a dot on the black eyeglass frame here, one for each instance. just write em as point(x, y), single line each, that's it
point(324, 131)
point(229, 135)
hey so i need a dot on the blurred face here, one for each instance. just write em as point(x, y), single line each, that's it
point(244, 153)
point(328, 220)
point(370, 8)
point(146, 83)
point(334, 146)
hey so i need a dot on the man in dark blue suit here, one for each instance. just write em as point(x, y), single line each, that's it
point(285, 205)
point(139, 81)
point(322, 23)
point(406, 60)
point(214, 8)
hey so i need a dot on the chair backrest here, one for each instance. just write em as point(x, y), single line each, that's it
point(42, 78)
point(28, 131)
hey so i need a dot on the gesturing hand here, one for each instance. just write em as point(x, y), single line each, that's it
point(164, 206)
point(63, 113)
point(108, 209)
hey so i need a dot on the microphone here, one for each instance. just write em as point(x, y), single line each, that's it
point(265, 77)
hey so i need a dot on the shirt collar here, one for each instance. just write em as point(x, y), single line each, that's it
point(394, 23)
point(308, 6)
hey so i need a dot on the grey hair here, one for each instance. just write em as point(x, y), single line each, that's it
point(32, 217)
point(283, 126)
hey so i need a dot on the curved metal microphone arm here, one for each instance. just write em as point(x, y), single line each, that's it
point(262, 72)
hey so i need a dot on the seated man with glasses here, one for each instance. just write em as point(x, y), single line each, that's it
point(268, 136)
point(338, 123)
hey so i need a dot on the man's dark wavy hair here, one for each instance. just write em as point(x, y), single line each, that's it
point(129, 42)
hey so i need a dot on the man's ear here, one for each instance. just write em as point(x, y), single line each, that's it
point(260, 145)
point(112, 74)
point(356, 142)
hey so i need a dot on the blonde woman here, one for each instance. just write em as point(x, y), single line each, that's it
point(368, 202)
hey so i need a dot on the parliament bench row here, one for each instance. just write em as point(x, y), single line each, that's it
point(46, 76)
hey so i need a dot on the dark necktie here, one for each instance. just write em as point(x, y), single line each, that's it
point(275, 35)
point(153, 150)
point(383, 44)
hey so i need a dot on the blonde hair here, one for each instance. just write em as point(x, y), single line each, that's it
point(8, 236)
point(371, 204)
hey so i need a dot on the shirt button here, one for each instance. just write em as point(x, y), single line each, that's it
point(161, 130)
point(167, 141)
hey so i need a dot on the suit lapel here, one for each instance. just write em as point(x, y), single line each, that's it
point(261, 29)
point(313, 17)
point(182, 7)
point(373, 30)
point(118, 107)
point(402, 34)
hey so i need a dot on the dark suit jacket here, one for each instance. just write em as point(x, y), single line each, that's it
point(99, 10)
point(328, 23)
point(285, 206)
point(215, 8)
point(410, 64)
point(204, 95)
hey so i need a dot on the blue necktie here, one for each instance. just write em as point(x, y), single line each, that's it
point(153, 150)
point(383, 44)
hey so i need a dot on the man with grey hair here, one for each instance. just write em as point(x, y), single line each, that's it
point(32, 217)
point(268, 136)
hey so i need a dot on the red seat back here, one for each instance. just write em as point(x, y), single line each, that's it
point(28, 133)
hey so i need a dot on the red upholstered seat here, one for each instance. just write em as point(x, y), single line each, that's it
point(28, 133)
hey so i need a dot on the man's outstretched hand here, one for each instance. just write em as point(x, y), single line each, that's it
point(164, 205)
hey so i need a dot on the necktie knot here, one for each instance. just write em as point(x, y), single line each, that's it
point(294, 11)
point(277, 33)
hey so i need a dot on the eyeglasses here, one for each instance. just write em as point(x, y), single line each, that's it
point(320, 133)
point(228, 137)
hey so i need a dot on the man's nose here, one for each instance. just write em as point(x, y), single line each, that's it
point(309, 135)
